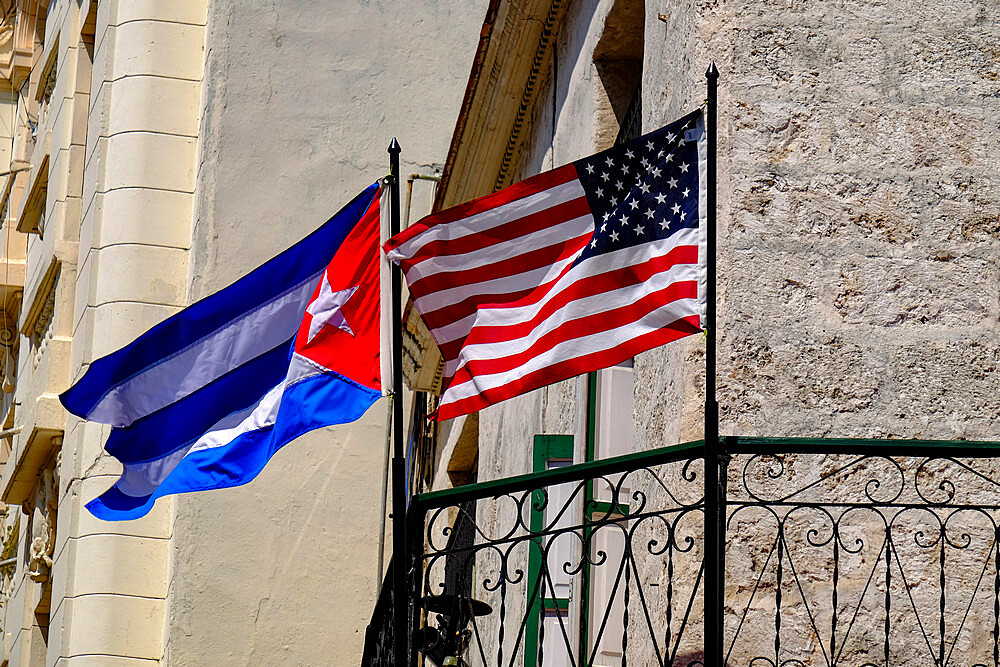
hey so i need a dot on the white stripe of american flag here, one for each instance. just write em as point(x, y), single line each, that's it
point(498, 288)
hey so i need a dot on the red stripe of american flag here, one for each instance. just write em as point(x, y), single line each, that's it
point(525, 188)
point(591, 285)
point(514, 229)
point(578, 328)
point(511, 266)
point(557, 212)
point(566, 369)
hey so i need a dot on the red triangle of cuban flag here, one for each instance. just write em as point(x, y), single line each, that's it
point(341, 326)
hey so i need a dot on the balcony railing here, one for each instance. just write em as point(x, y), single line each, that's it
point(838, 552)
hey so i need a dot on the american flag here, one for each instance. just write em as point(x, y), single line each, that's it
point(569, 271)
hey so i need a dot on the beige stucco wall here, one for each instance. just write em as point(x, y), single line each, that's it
point(119, 131)
point(301, 100)
point(170, 190)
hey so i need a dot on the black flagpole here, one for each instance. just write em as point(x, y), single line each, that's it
point(399, 560)
point(715, 530)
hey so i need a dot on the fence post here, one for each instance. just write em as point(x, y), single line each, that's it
point(415, 521)
point(714, 498)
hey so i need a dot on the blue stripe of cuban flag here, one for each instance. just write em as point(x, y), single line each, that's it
point(204, 399)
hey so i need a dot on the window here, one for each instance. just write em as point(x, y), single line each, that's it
point(618, 64)
point(549, 599)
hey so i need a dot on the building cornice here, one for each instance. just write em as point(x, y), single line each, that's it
point(515, 48)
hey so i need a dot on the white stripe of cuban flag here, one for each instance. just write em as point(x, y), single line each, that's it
point(569, 271)
point(203, 399)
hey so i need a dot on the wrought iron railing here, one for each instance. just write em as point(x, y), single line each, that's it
point(566, 563)
point(839, 552)
point(861, 552)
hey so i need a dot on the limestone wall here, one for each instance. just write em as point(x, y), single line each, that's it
point(858, 211)
point(106, 118)
point(858, 235)
point(138, 179)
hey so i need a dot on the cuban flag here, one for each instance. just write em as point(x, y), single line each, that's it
point(205, 398)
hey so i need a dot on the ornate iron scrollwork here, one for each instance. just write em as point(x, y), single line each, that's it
point(863, 559)
point(578, 570)
point(837, 554)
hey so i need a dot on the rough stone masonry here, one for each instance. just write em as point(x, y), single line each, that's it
point(859, 211)
point(859, 228)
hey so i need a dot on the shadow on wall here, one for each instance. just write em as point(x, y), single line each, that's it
point(693, 660)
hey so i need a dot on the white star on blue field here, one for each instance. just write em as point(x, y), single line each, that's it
point(642, 190)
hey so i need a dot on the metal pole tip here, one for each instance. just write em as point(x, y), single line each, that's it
point(713, 71)
point(394, 146)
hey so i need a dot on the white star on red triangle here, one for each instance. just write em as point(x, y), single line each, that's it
point(325, 310)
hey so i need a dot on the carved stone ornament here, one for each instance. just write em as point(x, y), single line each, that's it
point(43, 525)
point(7, 27)
point(10, 537)
point(6, 586)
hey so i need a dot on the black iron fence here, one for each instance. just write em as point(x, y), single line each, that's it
point(861, 552)
point(838, 552)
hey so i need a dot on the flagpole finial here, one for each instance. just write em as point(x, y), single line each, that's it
point(394, 146)
point(712, 73)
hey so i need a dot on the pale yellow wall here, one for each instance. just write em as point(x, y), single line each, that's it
point(121, 137)
point(135, 234)
point(43, 368)
point(162, 189)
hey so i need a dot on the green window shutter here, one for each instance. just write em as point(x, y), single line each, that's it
point(546, 450)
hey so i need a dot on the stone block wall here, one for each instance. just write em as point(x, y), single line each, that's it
point(858, 212)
